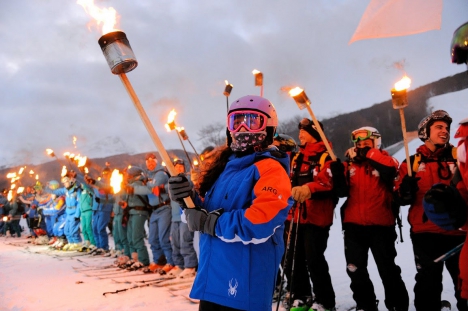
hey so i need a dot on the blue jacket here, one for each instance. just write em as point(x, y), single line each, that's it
point(103, 197)
point(238, 267)
point(72, 199)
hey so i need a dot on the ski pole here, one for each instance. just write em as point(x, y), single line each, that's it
point(449, 254)
point(285, 261)
point(294, 251)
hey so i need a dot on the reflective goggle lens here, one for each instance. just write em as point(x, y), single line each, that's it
point(362, 135)
point(252, 121)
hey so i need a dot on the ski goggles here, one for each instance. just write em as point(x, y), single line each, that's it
point(252, 121)
point(363, 135)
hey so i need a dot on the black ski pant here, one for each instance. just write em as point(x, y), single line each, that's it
point(211, 306)
point(358, 240)
point(428, 288)
point(309, 264)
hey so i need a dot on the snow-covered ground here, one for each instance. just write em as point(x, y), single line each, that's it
point(38, 282)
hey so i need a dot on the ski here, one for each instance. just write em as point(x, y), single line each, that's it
point(143, 279)
point(175, 281)
point(126, 289)
point(96, 268)
point(121, 275)
point(180, 287)
point(185, 293)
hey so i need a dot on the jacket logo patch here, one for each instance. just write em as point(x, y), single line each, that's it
point(232, 291)
point(269, 189)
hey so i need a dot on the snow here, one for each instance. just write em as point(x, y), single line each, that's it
point(30, 281)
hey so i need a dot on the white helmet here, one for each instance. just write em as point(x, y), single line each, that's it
point(367, 132)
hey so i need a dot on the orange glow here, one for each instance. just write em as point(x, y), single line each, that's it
point(170, 125)
point(49, 151)
point(31, 172)
point(66, 154)
point(13, 186)
point(116, 180)
point(403, 84)
point(195, 162)
point(107, 17)
point(295, 91)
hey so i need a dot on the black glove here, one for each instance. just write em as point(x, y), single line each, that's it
point(339, 178)
point(198, 219)
point(408, 189)
point(179, 188)
point(445, 207)
point(362, 152)
point(77, 218)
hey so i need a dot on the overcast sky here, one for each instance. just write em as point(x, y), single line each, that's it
point(56, 83)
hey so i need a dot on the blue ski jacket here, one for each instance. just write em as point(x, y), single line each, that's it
point(237, 268)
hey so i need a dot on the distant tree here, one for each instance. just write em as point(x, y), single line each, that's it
point(288, 126)
point(213, 134)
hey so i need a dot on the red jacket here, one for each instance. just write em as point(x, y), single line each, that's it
point(306, 169)
point(370, 190)
point(435, 167)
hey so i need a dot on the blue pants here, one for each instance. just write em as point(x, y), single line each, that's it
point(100, 221)
point(72, 229)
point(59, 226)
point(183, 253)
point(159, 233)
point(49, 222)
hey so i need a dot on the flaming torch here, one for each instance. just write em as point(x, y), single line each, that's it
point(227, 92)
point(258, 80)
point(120, 58)
point(400, 101)
point(170, 125)
point(302, 102)
point(52, 154)
point(116, 180)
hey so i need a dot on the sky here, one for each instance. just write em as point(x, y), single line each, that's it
point(56, 83)
point(22, 271)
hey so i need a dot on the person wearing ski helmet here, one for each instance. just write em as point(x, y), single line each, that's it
point(369, 221)
point(135, 214)
point(433, 163)
point(241, 207)
point(446, 205)
point(312, 183)
point(72, 193)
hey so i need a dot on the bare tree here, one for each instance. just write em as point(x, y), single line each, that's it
point(213, 134)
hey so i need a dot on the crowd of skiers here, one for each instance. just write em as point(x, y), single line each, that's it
point(264, 202)
point(76, 217)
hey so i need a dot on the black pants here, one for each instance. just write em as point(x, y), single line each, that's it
point(211, 306)
point(309, 264)
point(428, 287)
point(358, 240)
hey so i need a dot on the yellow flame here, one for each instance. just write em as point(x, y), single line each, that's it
point(5, 218)
point(74, 141)
point(163, 164)
point(86, 170)
point(171, 116)
point(21, 170)
point(255, 72)
point(37, 176)
point(71, 156)
point(20, 190)
point(10, 196)
point(49, 151)
point(105, 16)
point(116, 180)
point(66, 154)
point(403, 84)
point(82, 161)
point(64, 171)
point(195, 162)
point(13, 186)
point(11, 175)
point(295, 91)
point(179, 129)
point(226, 81)
point(31, 172)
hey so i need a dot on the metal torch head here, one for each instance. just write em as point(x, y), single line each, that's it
point(258, 79)
point(399, 99)
point(118, 53)
point(227, 90)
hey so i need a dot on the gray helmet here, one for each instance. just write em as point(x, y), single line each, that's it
point(425, 124)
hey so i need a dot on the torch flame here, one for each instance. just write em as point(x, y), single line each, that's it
point(64, 171)
point(20, 190)
point(31, 172)
point(226, 81)
point(37, 176)
point(116, 180)
point(170, 125)
point(10, 196)
point(66, 154)
point(5, 218)
point(82, 161)
point(21, 170)
point(74, 141)
point(86, 170)
point(13, 186)
point(106, 16)
point(49, 151)
point(295, 91)
point(255, 71)
point(195, 162)
point(11, 175)
point(179, 129)
point(403, 84)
